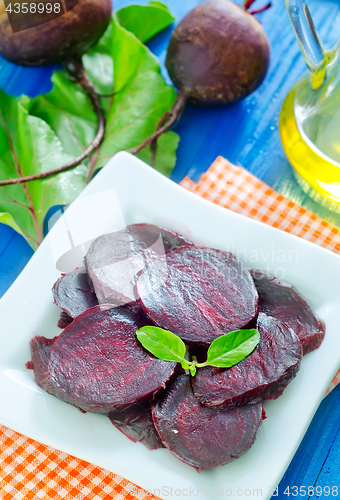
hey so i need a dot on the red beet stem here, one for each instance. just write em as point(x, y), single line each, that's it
point(166, 122)
point(261, 9)
point(247, 4)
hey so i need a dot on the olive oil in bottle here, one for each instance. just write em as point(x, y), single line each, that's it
point(310, 116)
point(312, 145)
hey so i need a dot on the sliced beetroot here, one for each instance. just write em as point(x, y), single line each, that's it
point(281, 300)
point(137, 425)
point(114, 260)
point(200, 436)
point(97, 364)
point(40, 355)
point(64, 321)
point(198, 293)
point(264, 374)
point(74, 294)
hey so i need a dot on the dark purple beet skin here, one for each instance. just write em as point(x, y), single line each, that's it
point(200, 436)
point(264, 374)
point(74, 294)
point(198, 293)
point(55, 41)
point(218, 53)
point(281, 300)
point(137, 425)
point(97, 364)
point(114, 260)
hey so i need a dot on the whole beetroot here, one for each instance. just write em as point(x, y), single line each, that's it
point(218, 53)
point(58, 40)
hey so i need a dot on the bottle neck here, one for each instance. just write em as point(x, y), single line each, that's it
point(311, 47)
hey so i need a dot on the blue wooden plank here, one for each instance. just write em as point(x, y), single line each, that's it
point(13, 257)
point(6, 234)
point(317, 461)
point(16, 81)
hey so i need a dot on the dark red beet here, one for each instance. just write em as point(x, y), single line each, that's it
point(264, 374)
point(138, 425)
point(200, 295)
point(281, 300)
point(200, 436)
point(52, 41)
point(74, 294)
point(65, 320)
point(40, 355)
point(97, 364)
point(114, 260)
point(218, 53)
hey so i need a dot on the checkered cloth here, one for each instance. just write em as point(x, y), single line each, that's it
point(30, 470)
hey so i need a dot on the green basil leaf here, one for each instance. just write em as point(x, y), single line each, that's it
point(145, 21)
point(185, 364)
point(230, 349)
point(162, 343)
point(193, 369)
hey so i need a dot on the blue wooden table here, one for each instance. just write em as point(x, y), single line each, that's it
point(247, 134)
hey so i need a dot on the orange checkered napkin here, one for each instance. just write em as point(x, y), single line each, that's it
point(235, 188)
point(32, 471)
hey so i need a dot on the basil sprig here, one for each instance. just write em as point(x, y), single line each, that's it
point(224, 352)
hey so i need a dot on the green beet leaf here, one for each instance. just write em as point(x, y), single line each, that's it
point(99, 65)
point(69, 112)
point(29, 146)
point(166, 153)
point(46, 132)
point(230, 349)
point(133, 113)
point(162, 343)
point(145, 21)
point(141, 98)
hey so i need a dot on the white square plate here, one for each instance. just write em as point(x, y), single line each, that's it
point(146, 196)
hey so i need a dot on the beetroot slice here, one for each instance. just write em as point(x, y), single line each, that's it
point(200, 436)
point(199, 293)
point(97, 364)
point(281, 300)
point(65, 320)
point(40, 355)
point(73, 293)
point(138, 425)
point(264, 374)
point(114, 260)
